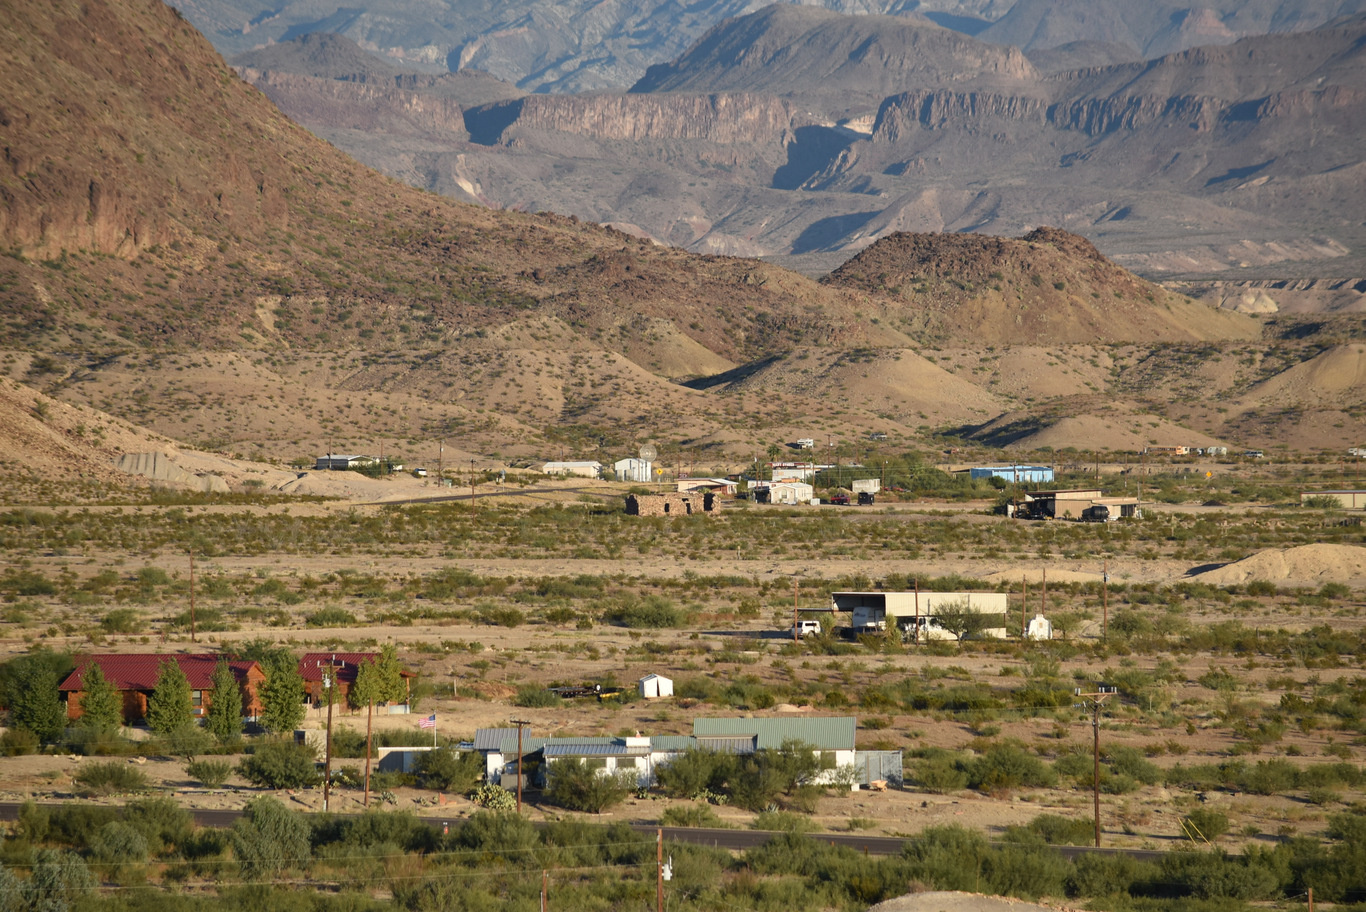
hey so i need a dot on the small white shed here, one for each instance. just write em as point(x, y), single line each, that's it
point(653, 686)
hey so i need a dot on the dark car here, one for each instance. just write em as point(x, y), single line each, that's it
point(865, 498)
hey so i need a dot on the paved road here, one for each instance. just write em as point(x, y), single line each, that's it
point(735, 840)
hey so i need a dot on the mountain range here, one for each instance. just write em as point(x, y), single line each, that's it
point(803, 135)
point(178, 254)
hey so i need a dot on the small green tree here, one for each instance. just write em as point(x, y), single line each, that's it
point(101, 708)
point(35, 706)
point(450, 771)
point(961, 620)
point(224, 716)
point(269, 839)
point(581, 786)
point(168, 707)
point(380, 680)
point(282, 698)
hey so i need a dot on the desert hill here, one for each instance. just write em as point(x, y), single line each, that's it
point(182, 256)
point(994, 289)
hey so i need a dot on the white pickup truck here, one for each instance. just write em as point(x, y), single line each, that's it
point(808, 628)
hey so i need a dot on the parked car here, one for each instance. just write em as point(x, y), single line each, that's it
point(865, 498)
point(805, 629)
point(840, 499)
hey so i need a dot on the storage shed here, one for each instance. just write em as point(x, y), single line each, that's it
point(653, 686)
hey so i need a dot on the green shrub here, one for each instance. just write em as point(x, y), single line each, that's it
point(280, 764)
point(1207, 822)
point(269, 839)
point(940, 773)
point(448, 770)
point(111, 777)
point(1008, 766)
point(122, 620)
point(653, 611)
point(18, 742)
point(118, 843)
point(1056, 830)
point(532, 695)
point(783, 822)
point(209, 773)
point(579, 786)
point(693, 815)
point(330, 617)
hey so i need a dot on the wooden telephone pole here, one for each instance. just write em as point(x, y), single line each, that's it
point(1094, 701)
point(329, 682)
point(520, 723)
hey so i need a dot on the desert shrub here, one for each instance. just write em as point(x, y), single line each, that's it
point(118, 843)
point(280, 764)
point(948, 857)
point(163, 823)
point(18, 742)
point(448, 770)
point(940, 773)
point(1027, 869)
point(1096, 875)
point(579, 786)
point(783, 822)
point(1214, 875)
point(1054, 829)
point(111, 778)
point(692, 815)
point(1207, 822)
point(330, 617)
point(653, 611)
point(533, 695)
point(702, 690)
point(498, 833)
point(1008, 766)
point(761, 778)
point(209, 773)
point(269, 839)
point(122, 620)
point(500, 616)
point(696, 772)
point(1261, 587)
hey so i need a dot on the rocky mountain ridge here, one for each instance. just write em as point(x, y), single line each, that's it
point(1208, 161)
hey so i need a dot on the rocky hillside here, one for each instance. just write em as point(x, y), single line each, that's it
point(1048, 285)
point(574, 46)
point(802, 135)
point(180, 255)
point(844, 64)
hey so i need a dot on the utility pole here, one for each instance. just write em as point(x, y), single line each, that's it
point(369, 730)
point(329, 682)
point(192, 631)
point(1105, 601)
point(520, 723)
point(796, 637)
point(659, 869)
point(1094, 702)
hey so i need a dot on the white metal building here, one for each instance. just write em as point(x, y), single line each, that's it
point(635, 470)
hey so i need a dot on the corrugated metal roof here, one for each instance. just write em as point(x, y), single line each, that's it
point(672, 742)
point(492, 739)
point(821, 732)
point(138, 671)
point(581, 749)
point(728, 744)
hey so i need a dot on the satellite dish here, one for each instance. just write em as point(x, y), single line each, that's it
point(649, 453)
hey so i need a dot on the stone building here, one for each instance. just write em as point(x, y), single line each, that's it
point(672, 504)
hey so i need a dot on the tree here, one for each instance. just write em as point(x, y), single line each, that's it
point(580, 786)
point(450, 771)
point(224, 716)
point(282, 698)
point(269, 839)
point(168, 708)
point(959, 619)
point(380, 680)
point(101, 708)
point(35, 706)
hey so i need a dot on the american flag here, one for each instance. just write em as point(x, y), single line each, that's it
point(429, 722)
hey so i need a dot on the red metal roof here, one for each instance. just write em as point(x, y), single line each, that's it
point(138, 671)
